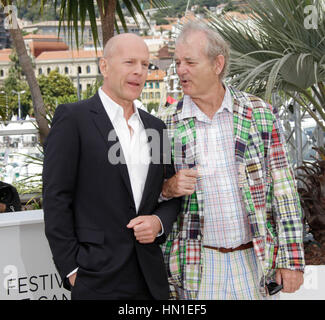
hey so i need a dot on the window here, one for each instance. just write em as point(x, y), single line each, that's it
point(1, 73)
point(157, 95)
point(151, 85)
point(66, 70)
point(48, 70)
point(79, 69)
point(88, 69)
point(151, 95)
point(157, 85)
point(40, 71)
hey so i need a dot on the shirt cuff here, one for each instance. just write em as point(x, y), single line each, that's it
point(162, 227)
point(72, 272)
point(162, 198)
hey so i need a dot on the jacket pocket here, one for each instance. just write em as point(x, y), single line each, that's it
point(92, 254)
point(86, 235)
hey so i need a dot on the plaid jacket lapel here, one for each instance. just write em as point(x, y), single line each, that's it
point(184, 141)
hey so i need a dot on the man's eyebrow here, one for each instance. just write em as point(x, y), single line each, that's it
point(186, 58)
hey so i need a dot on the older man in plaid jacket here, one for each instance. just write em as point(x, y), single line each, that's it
point(239, 234)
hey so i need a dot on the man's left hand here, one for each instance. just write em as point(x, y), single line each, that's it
point(290, 279)
point(146, 228)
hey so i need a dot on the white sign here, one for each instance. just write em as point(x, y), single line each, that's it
point(26, 266)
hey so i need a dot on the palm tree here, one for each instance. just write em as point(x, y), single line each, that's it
point(72, 10)
point(27, 67)
point(281, 50)
point(75, 11)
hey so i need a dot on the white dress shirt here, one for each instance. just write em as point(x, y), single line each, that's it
point(135, 145)
point(225, 219)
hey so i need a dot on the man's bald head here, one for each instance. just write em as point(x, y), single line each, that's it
point(124, 67)
point(113, 43)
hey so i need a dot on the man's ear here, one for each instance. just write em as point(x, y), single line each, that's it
point(103, 66)
point(219, 64)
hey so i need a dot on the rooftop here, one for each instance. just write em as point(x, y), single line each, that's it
point(69, 54)
point(4, 55)
point(42, 37)
point(156, 75)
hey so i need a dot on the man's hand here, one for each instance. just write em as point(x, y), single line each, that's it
point(2, 207)
point(146, 228)
point(181, 184)
point(290, 279)
point(72, 279)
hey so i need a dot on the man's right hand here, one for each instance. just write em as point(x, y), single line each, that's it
point(181, 184)
point(72, 279)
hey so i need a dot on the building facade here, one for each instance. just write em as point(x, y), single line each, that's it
point(154, 90)
point(4, 34)
point(69, 63)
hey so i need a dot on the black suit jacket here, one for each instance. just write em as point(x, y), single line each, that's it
point(88, 201)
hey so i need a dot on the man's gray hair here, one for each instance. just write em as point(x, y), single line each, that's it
point(216, 45)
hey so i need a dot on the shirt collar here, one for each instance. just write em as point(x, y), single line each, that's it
point(191, 110)
point(114, 110)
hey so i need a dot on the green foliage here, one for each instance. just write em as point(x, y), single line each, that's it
point(90, 91)
point(55, 85)
point(56, 89)
point(177, 8)
point(31, 11)
point(78, 11)
point(9, 100)
point(152, 105)
point(279, 53)
point(33, 183)
point(159, 16)
point(312, 183)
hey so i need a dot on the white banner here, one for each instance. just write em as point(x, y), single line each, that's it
point(26, 266)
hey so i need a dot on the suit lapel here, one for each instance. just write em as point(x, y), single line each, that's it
point(106, 129)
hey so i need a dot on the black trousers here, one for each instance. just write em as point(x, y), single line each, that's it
point(132, 286)
point(81, 292)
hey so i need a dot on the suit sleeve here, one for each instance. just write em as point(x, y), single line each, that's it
point(286, 203)
point(167, 211)
point(61, 154)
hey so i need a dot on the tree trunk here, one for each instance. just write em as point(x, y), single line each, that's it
point(27, 67)
point(107, 17)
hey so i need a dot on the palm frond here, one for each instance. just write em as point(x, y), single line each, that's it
point(276, 52)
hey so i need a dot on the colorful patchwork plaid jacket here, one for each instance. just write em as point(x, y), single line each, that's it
point(268, 188)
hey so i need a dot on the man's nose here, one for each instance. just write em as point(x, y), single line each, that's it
point(180, 69)
point(138, 68)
